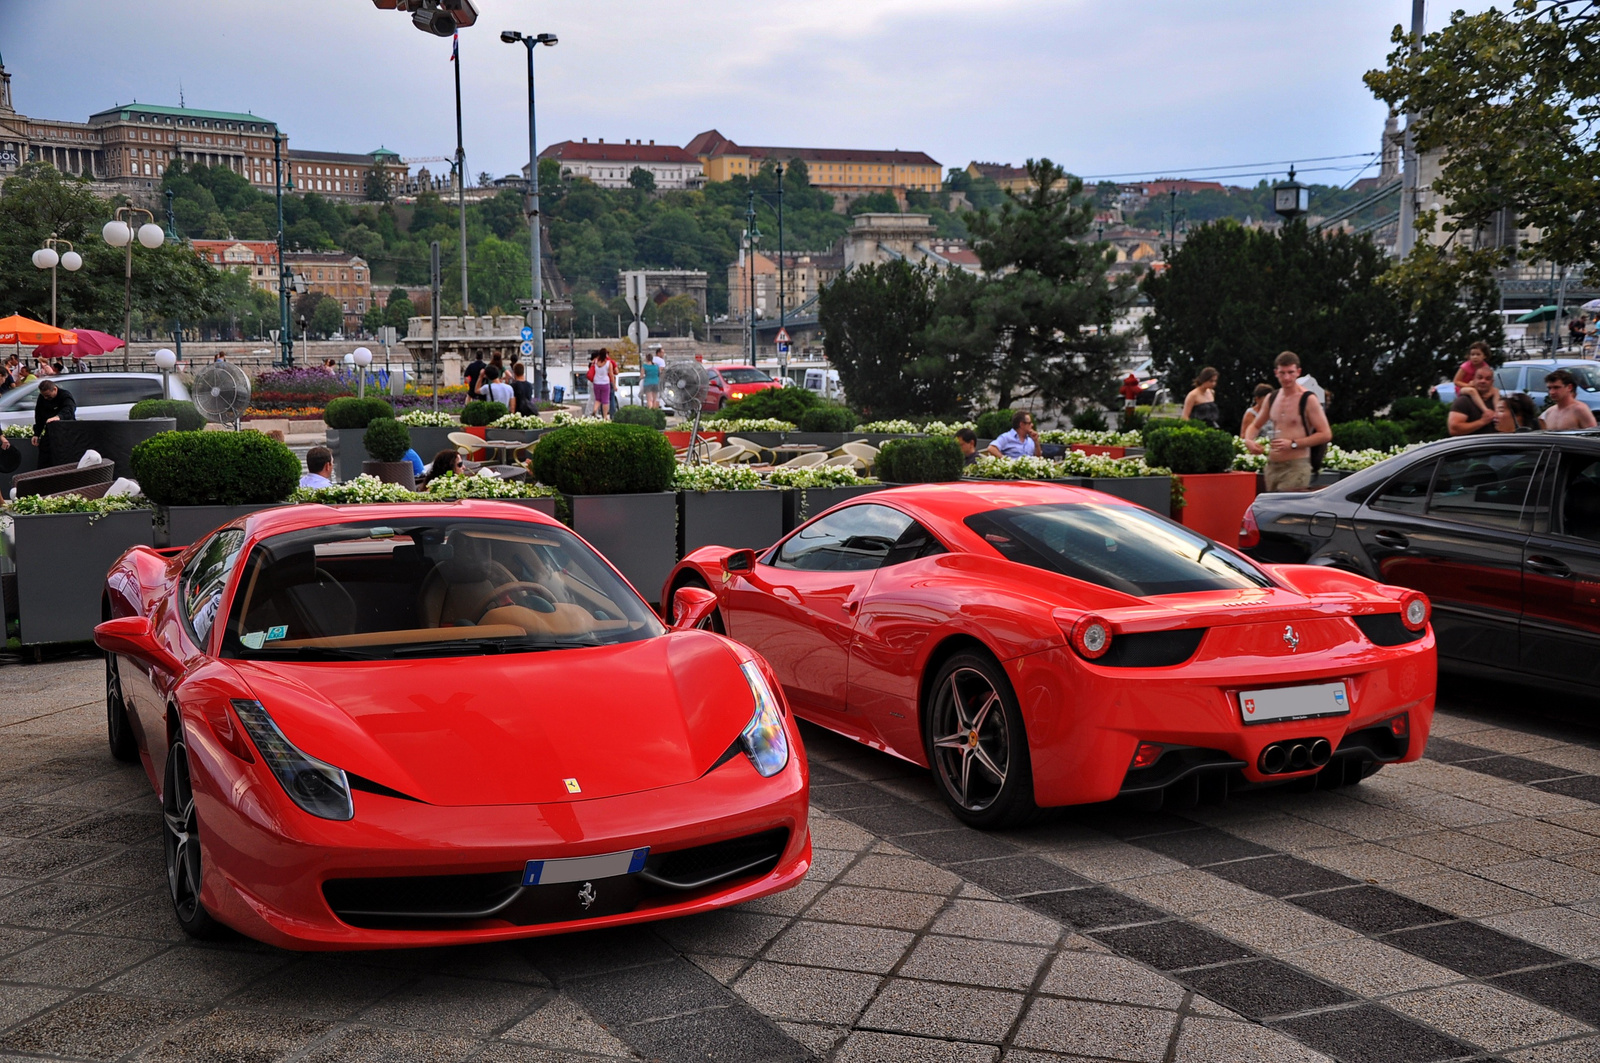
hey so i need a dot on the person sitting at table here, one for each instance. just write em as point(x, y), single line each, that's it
point(445, 463)
point(1021, 442)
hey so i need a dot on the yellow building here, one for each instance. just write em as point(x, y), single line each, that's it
point(830, 169)
point(1009, 178)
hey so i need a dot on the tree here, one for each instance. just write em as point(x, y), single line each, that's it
point(399, 311)
point(372, 320)
point(485, 179)
point(328, 317)
point(874, 203)
point(1233, 298)
point(1512, 100)
point(679, 314)
point(642, 179)
point(377, 184)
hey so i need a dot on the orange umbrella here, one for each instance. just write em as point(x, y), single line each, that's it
point(17, 329)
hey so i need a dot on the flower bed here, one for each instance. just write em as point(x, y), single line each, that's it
point(818, 476)
point(734, 425)
point(39, 505)
point(564, 418)
point(453, 485)
point(523, 422)
point(358, 491)
point(426, 418)
point(1085, 437)
point(704, 478)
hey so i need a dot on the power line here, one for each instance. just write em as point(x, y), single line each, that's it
point(1167, 171)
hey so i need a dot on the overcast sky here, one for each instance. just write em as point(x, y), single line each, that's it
point(1101, 86)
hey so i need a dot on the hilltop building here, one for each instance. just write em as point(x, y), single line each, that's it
point(840, 170)
point(610, 165)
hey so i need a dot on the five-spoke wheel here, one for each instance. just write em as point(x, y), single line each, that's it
point(181, 831)
point(118, 731)
point(976, 743)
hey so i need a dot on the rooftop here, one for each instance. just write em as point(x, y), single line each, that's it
point(179, 112)
point(627, 151)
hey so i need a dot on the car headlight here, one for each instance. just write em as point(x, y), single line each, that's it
point(321, 789)
point(765, 741)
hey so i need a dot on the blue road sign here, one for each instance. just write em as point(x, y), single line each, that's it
point(527, 332)
point(527, 348)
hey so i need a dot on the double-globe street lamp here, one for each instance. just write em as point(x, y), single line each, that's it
point(47, 257)
point(119, 232)
point(536, 312)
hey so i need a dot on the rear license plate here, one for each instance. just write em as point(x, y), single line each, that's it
point(1294, 703)
point(584, 868)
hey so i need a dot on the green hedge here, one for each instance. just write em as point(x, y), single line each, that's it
point(604, 459)
point(386, 439)
point(644, 415)
point(214, 469)
point(785, 404)
point(1089, 419)
point(189, 418)
point(1368, 435)
point(992, 424)
point(1155, 424)
point(932, 460)
point(1422, 419)
point(480, 413)
point(351, 412)
point(1189, 451)
point(827, 418)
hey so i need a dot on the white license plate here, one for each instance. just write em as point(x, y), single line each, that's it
point(584, 868)
point(1294, 703)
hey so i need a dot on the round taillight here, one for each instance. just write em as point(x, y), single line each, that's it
point(1414, 611)
point(1091, 636)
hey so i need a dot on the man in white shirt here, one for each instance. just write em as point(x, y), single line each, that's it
point(319, 468)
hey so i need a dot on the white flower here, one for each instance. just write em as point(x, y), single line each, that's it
point(522, 422)
point(562, 417)
point(361, 490)
point(716, 478)
point(747, 424)
point(1068, 436)
point(947, 428)
point(39, 505)
point(427, 419)
point(1070, 464)
point(17, 431)
point(899, 427)
point(818, 476)
point(452, 485)
point(1356, 460)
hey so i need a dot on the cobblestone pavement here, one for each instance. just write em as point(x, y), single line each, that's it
point(1448, 909)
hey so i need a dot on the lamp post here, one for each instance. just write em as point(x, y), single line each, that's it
point(1290, 199)
point(362, 358)
point(783, 325)
point(750, 268)
point(285, 337)
point(531, 208)
point(172, 234)
point(461, 170)
point(47, 257)
point(165, 360)
point(119, 232)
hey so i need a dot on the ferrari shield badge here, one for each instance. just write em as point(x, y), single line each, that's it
point(572, 786)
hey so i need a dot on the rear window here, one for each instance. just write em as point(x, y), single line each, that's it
point(1121, 547)
point(745, 376)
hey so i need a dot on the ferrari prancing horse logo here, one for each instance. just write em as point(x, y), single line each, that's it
point(1291, 638)
point(572, 786)
point(587, 895)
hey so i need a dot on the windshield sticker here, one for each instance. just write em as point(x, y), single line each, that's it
point(280, 631)
point(256, 639)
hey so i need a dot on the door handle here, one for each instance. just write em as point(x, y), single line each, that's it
point(851, 606)
point(1547, 566)
point(1392, 539)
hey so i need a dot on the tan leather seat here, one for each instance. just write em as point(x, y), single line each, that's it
point(462, 584)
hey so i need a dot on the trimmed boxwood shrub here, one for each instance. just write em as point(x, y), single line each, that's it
point(214, 469)
point(644, 415)
point(355, 413)
point(386, 439)
point(828, 418)
point(1189, 451)
point(1154, 424)
point(1368, 435)
point(933, 460)
point(1089, 418)
point(604, 459)
point(784, 404)
point(482, 413)
point(189, 418)
point(992, 424)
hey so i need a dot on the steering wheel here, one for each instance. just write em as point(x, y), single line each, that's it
point(507, 592)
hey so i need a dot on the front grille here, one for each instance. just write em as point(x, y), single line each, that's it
point(423, 896)
point(1386, 629)
point(688, 869)
point(1152, 649)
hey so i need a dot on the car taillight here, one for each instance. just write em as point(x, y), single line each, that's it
point(1400, 725)
point(1091, 636)
point(1147, 754)
point(1414, 610)
point(1249, 530)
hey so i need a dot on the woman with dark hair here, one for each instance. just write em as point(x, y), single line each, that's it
point(1258, 402)
point(1516, 413)
point(1201, 402)
point(445, 462)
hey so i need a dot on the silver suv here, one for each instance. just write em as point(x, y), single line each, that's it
point(100, 396)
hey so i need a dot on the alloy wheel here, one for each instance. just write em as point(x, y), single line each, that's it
point(119, 732)
point(971, 742)
point(182, 835)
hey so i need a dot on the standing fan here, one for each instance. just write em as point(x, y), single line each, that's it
point(221, 393)
point(684, 384)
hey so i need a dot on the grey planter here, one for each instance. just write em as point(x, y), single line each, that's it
point(800, 506)
point(30, 463)
point(521, 435)
point(183, 525)
point(428, 441)
point(827, 440)
point(392, 472)
point(349, 447)
point(740, 519)
point(1151, 492)
point(66, 441)
point(61, 561)
point(547, 506)
point(636, 533)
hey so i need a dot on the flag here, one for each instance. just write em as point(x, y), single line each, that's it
point(455, 42)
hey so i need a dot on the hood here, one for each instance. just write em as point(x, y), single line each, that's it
point(513, 728)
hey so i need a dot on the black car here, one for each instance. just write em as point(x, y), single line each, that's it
point(1502, 532)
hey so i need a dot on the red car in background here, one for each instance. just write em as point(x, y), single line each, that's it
point(401, 725)
point(733, 382)
point(1038, 645)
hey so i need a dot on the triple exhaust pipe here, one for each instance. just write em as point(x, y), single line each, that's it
point(1295, 754)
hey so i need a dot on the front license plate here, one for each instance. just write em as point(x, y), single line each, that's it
point(1294, 703)
point(584, 868)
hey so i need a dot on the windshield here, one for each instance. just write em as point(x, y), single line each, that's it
point(1121, 547)
point(431, 587)
point(745, 376)
point(1588, 376)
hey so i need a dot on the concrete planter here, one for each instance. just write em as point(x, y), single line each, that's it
point(183, 525)
point(1151, 492)
point(392, 472)
point(800, 505)
point(349, 447)
point(636, 533)
point(1214, 503)
point(30, 463)
point(428, 441)
point(740, 519)
point(65, 442)
point(546, 505)
point(61, 563)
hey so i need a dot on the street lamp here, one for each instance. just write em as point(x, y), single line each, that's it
point(119, 232)
point(536, 312)
point(47, 257)
point(362, 358)
point(165, 360)
point(1291, 198)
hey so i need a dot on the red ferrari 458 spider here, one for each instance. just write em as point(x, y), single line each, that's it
point(400, 725)
point(1042, 645)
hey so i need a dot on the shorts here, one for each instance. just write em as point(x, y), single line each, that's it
point(1288, 475)
point(602, 396)
point(651, 389)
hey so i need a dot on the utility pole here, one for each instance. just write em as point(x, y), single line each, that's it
point(461, 175)
point(750, 267)
point(172, 234)
point(433, 269)
point(1408, 193)
point(783, 362)
point(286, 341)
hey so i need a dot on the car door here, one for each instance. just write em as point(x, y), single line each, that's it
point(1454, 528)
point(1561, 571)
point(797, 606)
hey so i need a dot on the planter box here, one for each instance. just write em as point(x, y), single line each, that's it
point(1214, 503)
point(428, 441)
point(740, 519)
point(826, 440)
point(1090, 448)
point(547, 506)
point(66, 441)
point(183, 525)
point(1065, 481)
point(636, 533)
point(30, 463)
point(800, 505)
point(61, 561)
point(392, 472)
point(1151, 492)
point(349, 449)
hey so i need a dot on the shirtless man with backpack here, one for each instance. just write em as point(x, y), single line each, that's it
point(1299, 426)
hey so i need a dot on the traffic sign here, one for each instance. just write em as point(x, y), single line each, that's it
point(527, 348)
point(783, 337)
point(638, 332)
point(635, 291)
point(783, 347)
point(527, 333)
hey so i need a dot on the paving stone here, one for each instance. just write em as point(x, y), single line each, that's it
point(1505, 740)
point(1369, 909)
point(363, 1044)
point(20, 1002)
point(846, 795)
point(142, 867)
point(1459, 893)
point(122, 826)
point(1088, 976)
point(956, 846)
point(1564, 930)
point(819, 1040)
point(1571, 989)
point(807, 994)
point(1464, 852)
point(723, 968)
point(1370, 968)
point(1092, 908)
point(1447, 751)
point(1486, 1016)
point(1545, 798)
point(1018, 875)
point(562, 1024)
point(1471, 949)
point(1260, 989)
point(25, 820)
point(1371, 1034)
point(984, 963)
point(14, 940)
point(1111, 862)
point(321, 987)
point(1536, 837)
point(470, 1006)
point(1171, 946)
point(638, 994)
point(1096, 1029)
point(196, 974)
point(1360, 819)
point(829, 832)
point(791, 902)
point(47, 857)
point(849, 948)
point(992, 921)
point(75, 960)
point(1518, 769)
point(1371, 862)
point(1190, 891)
point(730, 932)
point(722, 1035)
point(96, 1026)
point(1290, 834)
point(148, 916)
point(889, 818)
point(1274, 926)
point(1548, 879)
point(579, 955)
point(1578, 759)
point(865, 1046)
point(876, 907)
point(900, 873)
point(224, 1036)
point(1203, 846)
point(931, 1009)
point(1572, 1050)
point(1280, 875)
point(1209, 1041)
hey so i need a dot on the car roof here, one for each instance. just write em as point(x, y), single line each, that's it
point(944, 507)
point(734, 365)
point(292, 518)
point(1553, 362)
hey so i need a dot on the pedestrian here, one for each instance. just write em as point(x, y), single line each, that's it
point(650, 374)
point(967, 440)
point(1575, 331)
point(1258, 402)
point(15, 369)
point(497, 390)
point(1201, 402)
point(1515, 413)
point(1477, 354)
point(41, 369)
point(1021, 442)
point(602, 371)
point(319, 468)
point(1299, 426)
point(55, 404)
point(1472, 411)
point(445, 463)
point(1568, 414)
point(526, 401)
point(472, 377)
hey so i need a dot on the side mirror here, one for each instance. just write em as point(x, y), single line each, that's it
point(739, 561)
point(691, 606)
point(133, 636)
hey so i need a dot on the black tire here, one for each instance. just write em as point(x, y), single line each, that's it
point(119, 732)
point(180, 836)
point(713, 621)
point(977, 745)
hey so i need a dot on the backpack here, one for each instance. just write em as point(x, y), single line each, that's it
point(1318, 452)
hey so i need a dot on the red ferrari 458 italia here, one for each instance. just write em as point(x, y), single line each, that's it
point(401, 725)
point(1041, 645)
